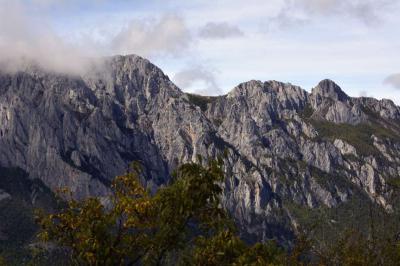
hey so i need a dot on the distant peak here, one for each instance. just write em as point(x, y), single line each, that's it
point(329, 89)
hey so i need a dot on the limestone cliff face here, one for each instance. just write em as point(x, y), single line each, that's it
point(82, 131)
point(286, 147)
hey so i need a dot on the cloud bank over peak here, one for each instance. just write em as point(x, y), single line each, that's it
point(301, 41)
point(197, 75)
point(168, 35)
point(24, 39)
point(27, 37)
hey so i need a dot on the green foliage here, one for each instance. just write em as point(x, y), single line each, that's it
point(357, 135)
point(182, 223)
point(2, 261)
point(394, 182)
point(330, 180)
point(354, 248)
point(226, 248)
point(200, 101)
point(353, 233)
point(307, 112)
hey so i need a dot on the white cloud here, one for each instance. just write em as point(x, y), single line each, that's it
point(198, 79)
point(304, 12)
point(222, 30)
point(393, 80)
point(166, 36)
point(24, 38)
point(332, 40)
point(368, 11)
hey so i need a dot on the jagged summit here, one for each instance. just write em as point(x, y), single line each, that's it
point(250, 86)
point(132, 61)
point(329, 89)
point(325, 89)
point(247, 89)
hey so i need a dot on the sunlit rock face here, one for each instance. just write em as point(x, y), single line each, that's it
point(283, 146)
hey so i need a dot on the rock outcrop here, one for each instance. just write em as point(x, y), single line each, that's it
point(285, 147)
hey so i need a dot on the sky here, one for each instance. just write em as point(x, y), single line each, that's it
point(209, 47)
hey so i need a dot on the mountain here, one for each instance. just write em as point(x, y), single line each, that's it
point(292, 157)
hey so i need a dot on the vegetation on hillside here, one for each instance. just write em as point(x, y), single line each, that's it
point(200, 101)
point(357, 135)
point(181, 224)
point(184, 224)
point(360, 135)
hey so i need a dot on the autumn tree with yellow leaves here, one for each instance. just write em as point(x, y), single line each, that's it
point(182, 223)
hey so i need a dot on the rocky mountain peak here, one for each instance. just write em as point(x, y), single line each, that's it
point(246, 89)
point(285, 149)
point(329, 89)
point(332, 104)
point(133, 62)
point(271, 93)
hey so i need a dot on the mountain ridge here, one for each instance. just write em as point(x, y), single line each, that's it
point(284, 146)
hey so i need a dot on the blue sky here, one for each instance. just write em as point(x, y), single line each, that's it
point(209, 47)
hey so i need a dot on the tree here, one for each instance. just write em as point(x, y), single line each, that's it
point(182, 223)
